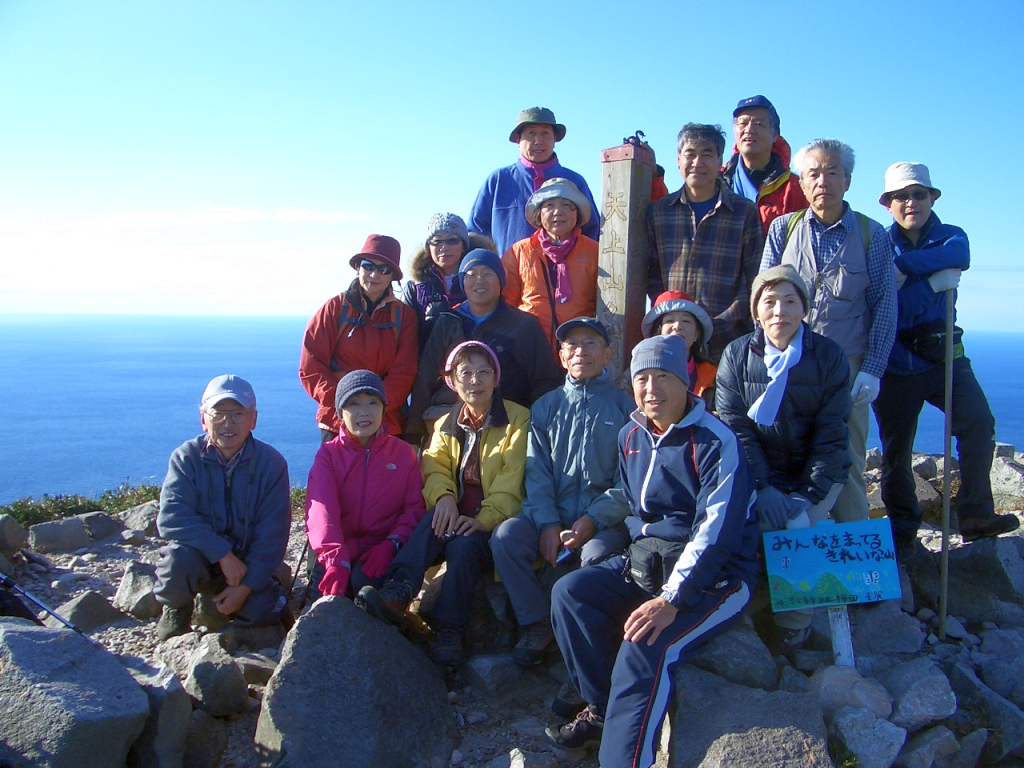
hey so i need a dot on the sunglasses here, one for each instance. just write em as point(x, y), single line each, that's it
point(371, 266)
point(918, 194)
point(437, 242)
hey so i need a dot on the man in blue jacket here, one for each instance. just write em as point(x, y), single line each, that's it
point(500, 207)
point(224, 507)
point(623, 624)
point(571, 463)
point(929, 258)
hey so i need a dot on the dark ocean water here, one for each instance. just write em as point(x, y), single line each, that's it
point(89, 401)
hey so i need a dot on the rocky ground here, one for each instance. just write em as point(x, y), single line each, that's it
point(499, 708)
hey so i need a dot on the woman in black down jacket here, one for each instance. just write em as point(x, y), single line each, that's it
point(784, 390)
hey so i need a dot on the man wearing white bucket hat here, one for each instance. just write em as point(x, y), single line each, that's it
point(929, 258)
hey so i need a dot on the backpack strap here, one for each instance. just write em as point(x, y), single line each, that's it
point(791, 225)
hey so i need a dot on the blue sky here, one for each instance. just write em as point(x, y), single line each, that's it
point(228, 157)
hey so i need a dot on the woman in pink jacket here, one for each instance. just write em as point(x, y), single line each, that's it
point(364, 496)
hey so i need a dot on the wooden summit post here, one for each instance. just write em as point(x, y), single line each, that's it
point(626, 174)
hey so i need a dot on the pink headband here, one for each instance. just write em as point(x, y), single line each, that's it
point(479, 345)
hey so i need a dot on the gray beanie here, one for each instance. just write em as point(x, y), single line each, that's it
point(354, 382)
point(783, 273)
point(447, 222)
point(667, 353)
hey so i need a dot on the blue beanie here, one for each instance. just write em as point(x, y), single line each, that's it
point(354, 382)
point(481, 256)
point(667, 353)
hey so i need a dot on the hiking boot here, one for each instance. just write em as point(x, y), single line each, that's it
point(447, 647)
point(534, 641)
point(583, 732)
point(174, 622)
point(974, 528)
point(568, 702)
point(387, 603)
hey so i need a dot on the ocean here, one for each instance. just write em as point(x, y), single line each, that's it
point(89, 401)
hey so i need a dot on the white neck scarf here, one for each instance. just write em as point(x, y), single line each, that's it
point(766, 408)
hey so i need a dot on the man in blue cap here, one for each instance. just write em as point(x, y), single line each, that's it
point(569, 518)
point(623, 624)
point(225, 510)
point(759, 167)
point(499, 210)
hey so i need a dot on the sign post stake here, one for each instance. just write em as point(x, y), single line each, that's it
point(842, 641)
point(626, 174)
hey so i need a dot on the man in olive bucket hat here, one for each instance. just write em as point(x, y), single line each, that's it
point(500, 207)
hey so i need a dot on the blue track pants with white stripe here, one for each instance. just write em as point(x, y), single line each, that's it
point(630, 682)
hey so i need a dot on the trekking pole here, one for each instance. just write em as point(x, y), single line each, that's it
point(8, 583)
point(946, 458)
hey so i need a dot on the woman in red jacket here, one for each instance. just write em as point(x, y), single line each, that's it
point(366, 327)
point(364, 496)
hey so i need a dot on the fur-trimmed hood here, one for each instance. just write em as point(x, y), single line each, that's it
point(421, 264)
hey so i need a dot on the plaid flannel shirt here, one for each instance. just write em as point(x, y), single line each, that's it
point(714, 261)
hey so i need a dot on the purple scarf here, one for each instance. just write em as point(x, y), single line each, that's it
point(538, 169)
point(557, 253)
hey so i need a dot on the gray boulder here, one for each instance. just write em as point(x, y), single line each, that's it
point(65, 535)
point(162, 743)
point(921, 693)
point(176, 652)
point(206, 741)
point(142, 518)
point(924, 466)
point(5, 566)
point(838, 687)
point(89, 611)
point(100, 525)
point(792, 680)
point(1007, 478)
point(66, 702)
point(718, 724)
point(12, 536)
point(884, 628)
point(740, 657)
point(929, 499)
point(1004, 720)
point(256, 668)
point(215, 681)
point(493, 674)
point(873, 459)
point(971, 747)
point(338, 659)
point(135, 592)
point(925, 748)
point(1004, 450)
point(858, 734)
point(132, 537)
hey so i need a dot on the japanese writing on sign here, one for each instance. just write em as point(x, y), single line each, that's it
point(831, 564)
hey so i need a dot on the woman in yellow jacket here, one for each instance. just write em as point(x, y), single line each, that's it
point(553, 274)
point(472, 480)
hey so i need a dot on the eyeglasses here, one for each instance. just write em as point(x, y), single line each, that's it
point(219, 417)
point(480, 375)
point(918, 194)
point(590, 345)
point(437, 242)
point(744, 121)
point(370, 267)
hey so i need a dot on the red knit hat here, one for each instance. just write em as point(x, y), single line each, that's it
point(384, 249)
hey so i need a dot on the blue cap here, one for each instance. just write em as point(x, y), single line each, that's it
point(666, 353)
point(582, 322)
point(354, 382)
point(228, 387)
point(759, 101)
point(487, 258)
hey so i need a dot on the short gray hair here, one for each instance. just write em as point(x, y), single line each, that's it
point(833, 147)
point(697, 133)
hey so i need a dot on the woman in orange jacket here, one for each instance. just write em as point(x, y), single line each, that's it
point(553, 274)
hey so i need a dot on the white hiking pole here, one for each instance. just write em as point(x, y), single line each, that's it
point(946, 457)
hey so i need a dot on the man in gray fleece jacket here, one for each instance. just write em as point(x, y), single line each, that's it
point(224, 508)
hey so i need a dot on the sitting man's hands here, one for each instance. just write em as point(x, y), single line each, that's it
point(583, 530)
point(652, 616)
point(234, 570)
point(550, 543)
point(446, 513)
point(232, 599)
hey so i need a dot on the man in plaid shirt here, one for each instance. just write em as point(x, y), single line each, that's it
point(704, 239)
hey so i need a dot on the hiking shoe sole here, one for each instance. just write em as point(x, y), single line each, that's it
point(370, 600)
